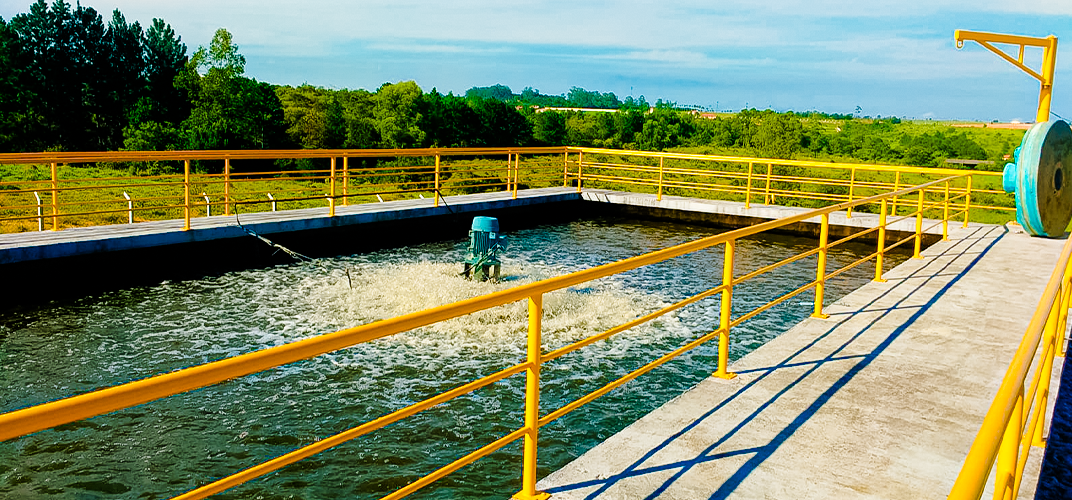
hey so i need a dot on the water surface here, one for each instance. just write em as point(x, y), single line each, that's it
point(169, 446)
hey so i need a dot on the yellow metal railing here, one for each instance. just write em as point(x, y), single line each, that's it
point(1016, 421)
point(765, 180)
point(71, 201)
point(934, 195)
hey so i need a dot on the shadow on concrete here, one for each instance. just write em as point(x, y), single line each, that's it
point(761, 453)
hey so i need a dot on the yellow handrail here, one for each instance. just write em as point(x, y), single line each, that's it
point(1007, 434)
point(725, 176)
point(47, 415)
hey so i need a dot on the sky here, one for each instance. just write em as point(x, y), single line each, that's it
point(887, 57)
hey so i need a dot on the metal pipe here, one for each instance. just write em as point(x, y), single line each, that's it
point(273, 201)
point(226, 186)
point(1042, 394)
point(580, 165)
point(820, 271)
point(55, 198)
point(945, 214)
point(565, 169)
point(1049, 63)
point(532, 402)
point(509, 172)
point(186, 195)
point(659, 197)
point(331, 190)
point(767, 198)
point(881, 242)
point(896, 187)
point(208, 205)
point(130, 208)
point(852, 185)
point(345, 180)
point(724, 313)
point(1062, 322)
point(919, 226)
point(1009, 453)
point(748, 188)
point(40, 213)
point(967, 201)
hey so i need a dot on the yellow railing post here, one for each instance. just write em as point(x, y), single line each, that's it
point(345, 180)
point(659, 197)
point(1042, 394)
point(852, 186)
point(331, 189)
point(226, 186)
point(919, 225)
point(435, 196)
point(509, 172)
point(565, 169)
point(724, 314)
point(55, 197)
point(767, 198)
point(1062, 320)
point(896, 187)
point(186, 195)
point(1009, 452)
point(580, 165)
point(881, 242)
point(517, 172)
point(945, 214)
point(967, 201)
point(820, 272)
point(1049, 64)
point(532, 403)
point(748, 188)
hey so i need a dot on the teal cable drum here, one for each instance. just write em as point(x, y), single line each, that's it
point(482, 260)
point(1037, 176)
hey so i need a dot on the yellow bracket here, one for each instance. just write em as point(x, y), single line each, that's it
point(1049, 59)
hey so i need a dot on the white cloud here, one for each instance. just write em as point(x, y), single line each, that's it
point(779, 42)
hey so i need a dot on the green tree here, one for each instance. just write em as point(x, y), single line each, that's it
point(549, 128)
point(165, 58)
point(777, 136)
point(59, 47)
point(448, 121)
point(229, 111)
point(20, 126)
point(313, 115)
point(501, 124)
point(121, 68)
point(396, 113)
point(498, 92)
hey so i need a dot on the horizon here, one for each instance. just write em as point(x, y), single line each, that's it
point(889, 58)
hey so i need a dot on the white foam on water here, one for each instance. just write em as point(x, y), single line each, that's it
point(391, 289)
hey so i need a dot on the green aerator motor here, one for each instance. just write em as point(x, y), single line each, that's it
point(482, 261)
point(1037, 176)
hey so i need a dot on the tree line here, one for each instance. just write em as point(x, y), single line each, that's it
point(72, 82)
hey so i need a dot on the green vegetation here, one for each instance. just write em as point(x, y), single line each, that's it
point(75, 83)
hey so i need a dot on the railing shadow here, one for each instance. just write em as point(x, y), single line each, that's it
point(960, 249)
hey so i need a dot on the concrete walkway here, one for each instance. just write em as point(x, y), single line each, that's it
point(72, 242)
point(881, 400)
point(30, 246)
